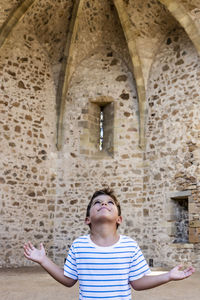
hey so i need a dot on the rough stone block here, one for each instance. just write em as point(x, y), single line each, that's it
point(195, 224)
point(194, 235)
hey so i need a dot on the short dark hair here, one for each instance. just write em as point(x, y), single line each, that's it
point(105, 191)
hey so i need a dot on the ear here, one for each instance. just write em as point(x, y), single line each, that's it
point(87, 220)
point(119, 220)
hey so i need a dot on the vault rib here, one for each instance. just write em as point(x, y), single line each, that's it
point(13, 20)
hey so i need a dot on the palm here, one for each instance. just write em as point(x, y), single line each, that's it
point(36, 254)
point(178, 274)
point(33, 253)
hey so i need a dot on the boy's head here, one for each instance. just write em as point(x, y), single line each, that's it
point(106, 192)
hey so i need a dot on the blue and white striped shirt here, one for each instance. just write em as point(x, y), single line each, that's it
point(105, 272)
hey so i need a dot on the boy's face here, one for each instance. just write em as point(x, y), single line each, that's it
point(103, 208)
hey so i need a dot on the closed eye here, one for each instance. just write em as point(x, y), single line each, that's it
point(111, 202)
point(96, 202)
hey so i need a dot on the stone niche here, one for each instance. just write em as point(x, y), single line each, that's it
point(181, 220)
point(179, 217)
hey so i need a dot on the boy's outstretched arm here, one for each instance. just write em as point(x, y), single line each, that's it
point(39, 256)
point(148, 282)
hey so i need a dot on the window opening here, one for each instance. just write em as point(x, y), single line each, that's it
point(101, 136)
point(97, 130)
point(181, 220)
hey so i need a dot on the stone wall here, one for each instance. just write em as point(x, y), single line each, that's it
point(173, 144)
point(27, 99)
point(44, 192)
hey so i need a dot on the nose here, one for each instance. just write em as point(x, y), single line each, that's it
point(104, 203)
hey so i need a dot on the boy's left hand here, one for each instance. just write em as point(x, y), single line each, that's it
point(178, 274)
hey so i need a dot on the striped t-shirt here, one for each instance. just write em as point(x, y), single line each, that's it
point(105, 272)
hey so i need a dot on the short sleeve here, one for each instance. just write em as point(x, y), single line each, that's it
point(70, 267)
point(138, 265)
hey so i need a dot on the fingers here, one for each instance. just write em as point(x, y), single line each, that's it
point(179, 267)
point(26, 251)
point(30, 245)
point(28, 248)
point(189, 271)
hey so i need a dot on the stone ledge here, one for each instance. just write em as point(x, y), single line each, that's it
point(183, 246)
point(179, 194)
point(100, 155)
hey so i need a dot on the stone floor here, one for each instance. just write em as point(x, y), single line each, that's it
point(35, 284)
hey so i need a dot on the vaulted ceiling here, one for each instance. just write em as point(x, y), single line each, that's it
point(69, 30)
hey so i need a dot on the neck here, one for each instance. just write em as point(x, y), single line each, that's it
point(104, 235)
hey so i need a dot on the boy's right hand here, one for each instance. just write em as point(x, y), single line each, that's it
point(34, 254)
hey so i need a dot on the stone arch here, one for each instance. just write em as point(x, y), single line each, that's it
point(115, 86)
point(182, 16)
point(68, 70)
point(14, 18)
point(65, 73)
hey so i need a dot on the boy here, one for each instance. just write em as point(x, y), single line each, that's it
point(106, 264)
